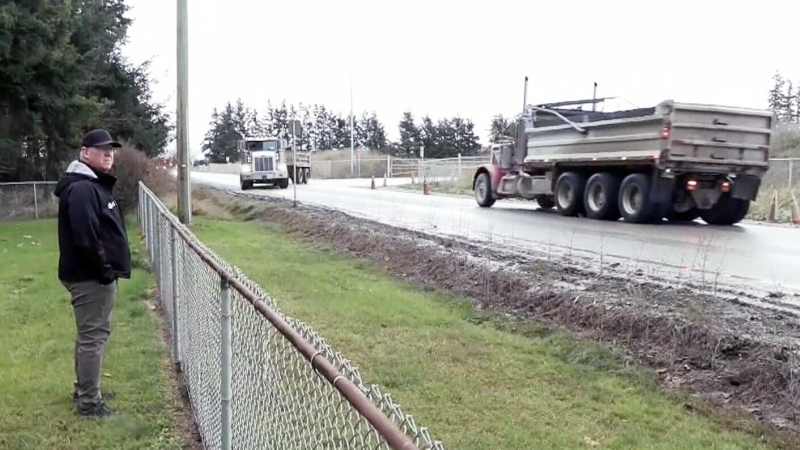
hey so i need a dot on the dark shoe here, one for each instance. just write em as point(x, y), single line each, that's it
point(106, 395)
point(98, 410)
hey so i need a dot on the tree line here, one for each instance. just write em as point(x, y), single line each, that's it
point(62, 73)
point(784, 99)
point(324, 129)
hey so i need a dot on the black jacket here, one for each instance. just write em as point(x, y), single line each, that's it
point(92, 239)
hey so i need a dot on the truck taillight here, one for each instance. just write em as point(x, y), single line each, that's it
point(691, 185)
point(725, 186)
point(665, 133)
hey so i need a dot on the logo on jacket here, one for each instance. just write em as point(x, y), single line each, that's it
point(112, 204)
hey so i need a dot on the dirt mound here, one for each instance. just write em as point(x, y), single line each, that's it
point(731, 353)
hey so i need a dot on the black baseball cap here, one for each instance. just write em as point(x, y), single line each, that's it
point(99, 138)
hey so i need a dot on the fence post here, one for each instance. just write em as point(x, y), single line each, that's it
point(158, 250)
point(791, 168)
point(389, 166)
point(150, 238)
point(36, 200)
point(459, 165)
point(225, 347)
point(176, 349)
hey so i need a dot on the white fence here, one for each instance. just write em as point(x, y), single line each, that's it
point(436, 170)
point(328, 167)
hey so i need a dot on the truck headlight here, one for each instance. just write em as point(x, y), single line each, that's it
point(245, 168)
point(282, 167)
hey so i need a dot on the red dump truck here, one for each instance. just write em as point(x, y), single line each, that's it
point(678, 161)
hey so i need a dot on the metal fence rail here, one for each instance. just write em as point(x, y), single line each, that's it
point(257, 378)
point(439, 169)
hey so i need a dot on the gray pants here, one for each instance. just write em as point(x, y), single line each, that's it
point(92, 304)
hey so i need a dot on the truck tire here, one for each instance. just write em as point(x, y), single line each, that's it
point(284, 183)
point(634, 200)
point(600, 198)
point(245, 185)
point(306, 175)
point(569, 194)
point(727, 211)
point(483, 191)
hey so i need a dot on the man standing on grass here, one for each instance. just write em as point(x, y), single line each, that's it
point(94, 254)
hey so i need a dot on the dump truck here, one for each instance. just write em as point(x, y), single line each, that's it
point(271, 160)
point(674, 161)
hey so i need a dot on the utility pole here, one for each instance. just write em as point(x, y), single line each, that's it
point(352, 145)
point(182, 128)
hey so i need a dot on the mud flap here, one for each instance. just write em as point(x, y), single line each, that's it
point(745, 187)
point(661, 188)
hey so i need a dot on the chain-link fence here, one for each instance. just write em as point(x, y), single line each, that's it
point(341, 168)
point(28, 200)
point(257, 378)
point(780, 184)
point(783, 174)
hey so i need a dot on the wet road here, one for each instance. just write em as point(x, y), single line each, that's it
point(763, 257)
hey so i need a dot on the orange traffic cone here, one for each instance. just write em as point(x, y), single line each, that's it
point(795, 210)
point(425, 190)
point(373, 182)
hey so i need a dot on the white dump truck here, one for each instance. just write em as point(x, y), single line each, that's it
point(271, 160)
point(679, 161)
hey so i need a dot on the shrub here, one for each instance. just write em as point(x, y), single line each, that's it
point(132, 166)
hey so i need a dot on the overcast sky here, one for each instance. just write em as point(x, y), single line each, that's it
point(447, 58)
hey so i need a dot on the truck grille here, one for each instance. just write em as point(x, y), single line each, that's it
point(263, 164)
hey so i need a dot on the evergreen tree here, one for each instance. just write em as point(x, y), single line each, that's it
point(62, 73)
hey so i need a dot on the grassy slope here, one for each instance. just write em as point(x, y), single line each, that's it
point(36, 365)
point(473, 385)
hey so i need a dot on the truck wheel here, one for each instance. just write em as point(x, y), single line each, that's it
point(284, 183)
point(634, 200)
point(601, 197)
point(727, 211)
point(483, 191)
point(306, 175)
point(569, 193)
point(245, 185)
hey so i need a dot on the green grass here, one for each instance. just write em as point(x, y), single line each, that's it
point(472, 383)
point(36, 347)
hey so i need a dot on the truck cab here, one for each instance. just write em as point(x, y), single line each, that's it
point(263, 161)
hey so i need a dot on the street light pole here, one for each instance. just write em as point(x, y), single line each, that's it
point(352, 147)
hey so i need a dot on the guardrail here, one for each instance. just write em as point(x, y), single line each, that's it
point(257, 378)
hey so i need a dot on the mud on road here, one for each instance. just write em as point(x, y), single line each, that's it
point(719, 348)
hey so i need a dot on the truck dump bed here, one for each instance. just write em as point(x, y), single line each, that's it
point(675, 135)
point(303, 158)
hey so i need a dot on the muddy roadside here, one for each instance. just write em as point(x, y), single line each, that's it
point(720, 350)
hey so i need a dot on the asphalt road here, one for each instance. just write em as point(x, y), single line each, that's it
point(759, 256)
